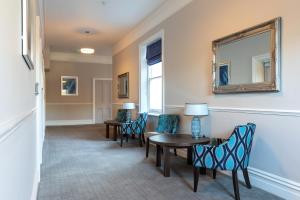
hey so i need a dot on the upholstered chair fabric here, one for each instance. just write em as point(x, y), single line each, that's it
point(135, 127)
point(167, 123)
point(233, 154)
point(121, 115)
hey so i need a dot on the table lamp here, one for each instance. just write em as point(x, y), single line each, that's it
point(196, 110)
point(128, 107)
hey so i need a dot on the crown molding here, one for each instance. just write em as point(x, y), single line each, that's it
point(169, 8)
point(74, 57)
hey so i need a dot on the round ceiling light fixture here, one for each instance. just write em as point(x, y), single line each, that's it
point(87, 50)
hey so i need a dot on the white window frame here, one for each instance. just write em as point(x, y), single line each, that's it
point(143, 75)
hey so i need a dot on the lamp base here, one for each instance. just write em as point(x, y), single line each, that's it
point(196, 127)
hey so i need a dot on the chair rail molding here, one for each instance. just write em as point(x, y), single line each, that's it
point(7, 128)
point(259, 111)
point(68, 103)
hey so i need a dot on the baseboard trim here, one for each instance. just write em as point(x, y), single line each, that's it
point(271, 183)
point(69, 122)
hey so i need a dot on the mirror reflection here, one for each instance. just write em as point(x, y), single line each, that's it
point(244, 61)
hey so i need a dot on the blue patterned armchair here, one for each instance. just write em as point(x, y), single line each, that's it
point(121, 115)
point(167, 123)
point(233, 155)
point(136, 128)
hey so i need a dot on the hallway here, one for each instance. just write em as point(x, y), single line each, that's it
point(79, 163)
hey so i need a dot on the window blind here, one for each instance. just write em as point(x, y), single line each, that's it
point(153, 54)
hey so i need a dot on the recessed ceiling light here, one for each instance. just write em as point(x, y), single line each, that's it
point(87, 50)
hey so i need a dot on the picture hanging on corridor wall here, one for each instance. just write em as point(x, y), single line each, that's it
point(26, 33)
point(69, 86)
point(123, 85)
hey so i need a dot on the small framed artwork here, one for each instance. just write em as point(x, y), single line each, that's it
point(123, 85)
point(69, 86)
point(26, 33)
point(224, 74)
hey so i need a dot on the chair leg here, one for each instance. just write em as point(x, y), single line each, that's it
point(121, 135)
point(235, 185)
point(147, 147)
point(144, 141)
point(196, 177)
point(246, 177)
point(175, 152)
point(214, 173)
point(141, 140)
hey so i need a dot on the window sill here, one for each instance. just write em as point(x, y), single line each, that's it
point(154, 114)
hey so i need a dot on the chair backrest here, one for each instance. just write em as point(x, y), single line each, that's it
point(239, 146)
point(141, 123)
point(121, 115)
point(167, 123)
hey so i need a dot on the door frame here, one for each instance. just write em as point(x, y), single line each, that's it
point(94, 95)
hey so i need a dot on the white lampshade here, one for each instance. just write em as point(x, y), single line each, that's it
point(128, 106)
point(196, 109)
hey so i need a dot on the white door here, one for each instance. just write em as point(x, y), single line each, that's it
point(102, 100)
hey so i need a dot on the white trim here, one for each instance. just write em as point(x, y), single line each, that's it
point(8, 127)
point(76, 57)
point(258, 111)
point(69, 103)
point(94, 96)
point(159, 35)
point(69, 122)
point(35, 187)
point(169, 8)
point(272, 183)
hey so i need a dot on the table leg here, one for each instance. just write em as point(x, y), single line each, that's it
point(107, 131)
point(190, 156)
point(158, 156)
point(115, 132)
point(147, 147)
point(166, 161)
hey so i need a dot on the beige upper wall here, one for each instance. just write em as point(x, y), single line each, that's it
point(188, 37)
point(85, 72)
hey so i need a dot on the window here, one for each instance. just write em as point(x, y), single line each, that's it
point(151, 75)
point(155, 88)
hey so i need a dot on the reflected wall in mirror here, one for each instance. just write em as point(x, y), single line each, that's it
point(69, 86)
point(123, 85)
point(248, 61)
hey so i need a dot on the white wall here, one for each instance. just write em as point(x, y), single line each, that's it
point(189, 34)
point(19, 166)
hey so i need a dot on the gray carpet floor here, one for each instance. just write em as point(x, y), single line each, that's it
point(79, 163)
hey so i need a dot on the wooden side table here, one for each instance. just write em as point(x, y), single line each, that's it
point(168, 141)
point(115, 124)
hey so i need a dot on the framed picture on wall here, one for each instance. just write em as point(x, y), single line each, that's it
point(123, 85)
point(27, 18)
point(69, 86)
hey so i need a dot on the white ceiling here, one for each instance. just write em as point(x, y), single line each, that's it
point(108, 20)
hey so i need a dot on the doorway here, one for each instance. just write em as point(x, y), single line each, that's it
point(102, 100)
